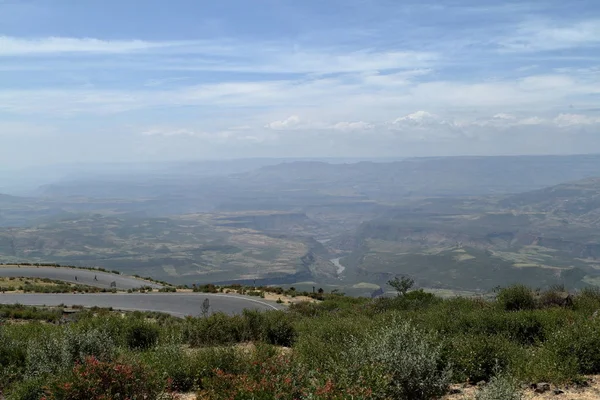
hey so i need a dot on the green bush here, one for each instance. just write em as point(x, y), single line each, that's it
point(94, 342)
point(48, 356)
point(12, 360)
point(588, 300)
point(415, 300)
point(11, 353)
point(97, 380)
point(500, 388)
point(173, 364)
point(218, 328)
point(279, 329)
point(142, 336)
point(411, 359)
point(479, 357)
point(544, 364)
point(516, 297)
point(580, 340)
point(29, 389)
point(323, 341)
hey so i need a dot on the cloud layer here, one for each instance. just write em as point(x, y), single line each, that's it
point(387, 79)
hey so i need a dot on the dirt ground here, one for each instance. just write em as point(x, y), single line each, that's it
point(589, 392)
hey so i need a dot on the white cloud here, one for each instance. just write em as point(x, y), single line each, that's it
point(12, 46)
point(352, 126)
point(418, 119)
point(532, 121)
point(64, 53)
point(565, 120)
point(172, 132)
point(548, 35)
point(504, 117)
point(291, 122)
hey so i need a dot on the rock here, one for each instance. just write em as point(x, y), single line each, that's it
point(558, 391)
point(542, 387)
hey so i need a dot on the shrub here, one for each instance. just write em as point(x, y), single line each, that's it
point(142, 336)
point(479, 357)
point(556, 296)
point(218, 328)
point(97, 380)
point(588, 300)
point(29, 389)
point(279, 329)
point(93, 342)
point(543, 364)
point(415, 300)
point(12, 360)
point(11, 353)
point(47, 356)
point(323, 341)
point(410, 358)
point(580, 340)
point(500, 388)
point(516, 297)
point(278, 377)
point(173, 364)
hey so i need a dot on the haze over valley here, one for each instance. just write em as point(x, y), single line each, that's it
point(465, 224)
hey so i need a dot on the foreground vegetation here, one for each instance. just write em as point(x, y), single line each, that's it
point(413, 346)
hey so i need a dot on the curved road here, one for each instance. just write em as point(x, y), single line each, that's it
point(84, 276)
point(176, 304)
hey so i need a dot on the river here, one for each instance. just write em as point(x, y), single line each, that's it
point(340, 267)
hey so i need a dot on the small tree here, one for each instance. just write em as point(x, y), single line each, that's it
point(402, 285)
point(205, 307)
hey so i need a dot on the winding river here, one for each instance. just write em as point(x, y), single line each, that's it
point(340, 267)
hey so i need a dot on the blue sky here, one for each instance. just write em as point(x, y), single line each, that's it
point(90, 81)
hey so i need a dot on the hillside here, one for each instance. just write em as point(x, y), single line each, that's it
point(539, 237)
point(184, 249)
point(460, 223)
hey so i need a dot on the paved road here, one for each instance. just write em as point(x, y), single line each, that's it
point(84, 277)
point(177, 304)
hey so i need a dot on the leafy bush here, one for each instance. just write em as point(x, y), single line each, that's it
point(479, 357)
point(415, 300)
point(500, 388)
point(142, 336)
point(323, 341)
point(47, 356)
point(97, 380)
point(94, 342)
point(11, 353)
point(588, 300)
point(544, 364)
point(516, 297)
point(580, 340)
point(278, 377)
point(279, 329)
point(218, 328)
point(12, 360)
point(556, 296)
point(411, 359)
point(29, 389)
point(174, 365)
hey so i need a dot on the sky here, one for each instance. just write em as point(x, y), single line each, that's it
point(154, 80)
